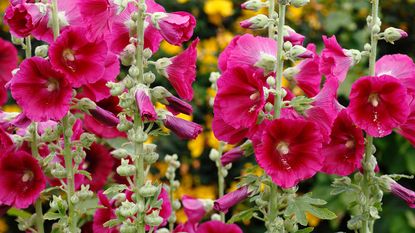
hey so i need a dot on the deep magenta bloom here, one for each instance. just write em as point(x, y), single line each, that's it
point(22, 179)
point(23, 18)
point(8, 61)
point(193, 208)
point(406, 194)
point(226, 132)
point(407, 130)
point(98, 162)
point(98, 16)
point(145, 106)
point(43, 93)
point(102, 215)
point(334, 61)
point(176, 27)
point(378, 104)
point(3, 94)
point(177, 106)
point(218, 226)
point(226, 202)
point(240, 96)
point(346, 148)
point(231, 156)
point(187, 227)
point(290, 151)
point(82, 60)
point(184, 129)
point(182, 71)
point(6, 142)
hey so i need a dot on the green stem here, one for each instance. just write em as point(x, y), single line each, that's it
point(280, 60)
point(39, 216)
point(221, 178)
point(38, 204)
point(171, 194)
point(55, 19)
point(28, 47)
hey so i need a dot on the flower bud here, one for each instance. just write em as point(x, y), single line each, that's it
point(134, 72)
point(214, 155)
point(393, 34)
point(17, 40)
point(216, 217)
point(253, 5)
point(128, 55)
point(149, 78)
point(148, 190)
point(298, 51)
point(259, 21)
point(128, 227)
point(85, 193)
point(58, 204)
point(87, 139)
point(128, 82)
point(128, 209)
point(289, 73)
point(124, 124)
point(74, 199)
point(58, 171)
point(85, 104)
point(150, 154)
point(147, 53)
point(299, 3)
point(42, 51)
point(116, 89)
point(125, 169)
point(267, 62)
point(104, 116)
point(153, 219)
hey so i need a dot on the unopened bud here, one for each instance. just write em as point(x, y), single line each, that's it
point(42, 51)
point(259, 21)
point(253, 5)
point(149, 78)
point(299, 3)
point(148, 190)
point(298, 51)
point(153, 219)
point(393, 34)
point(125, 169)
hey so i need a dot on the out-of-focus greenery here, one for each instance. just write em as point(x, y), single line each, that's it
point(218, 22)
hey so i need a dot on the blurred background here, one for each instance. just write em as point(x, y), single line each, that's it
point(218, 23)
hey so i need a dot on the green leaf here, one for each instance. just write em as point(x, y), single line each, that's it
point(112, 223)
point(115, 189)
point(52, 216)
point(19, 213)
point(85, 173)
point(243, 215)
point(305, 230)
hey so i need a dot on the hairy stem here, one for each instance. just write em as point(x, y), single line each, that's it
point(28, 47)
point(221, 178)
point(38, 205)
point(280, 60)
point(55, 19)
point(39, 216)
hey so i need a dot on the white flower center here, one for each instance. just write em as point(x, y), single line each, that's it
point(27, 176)
point(282, 148)
point(374, 99)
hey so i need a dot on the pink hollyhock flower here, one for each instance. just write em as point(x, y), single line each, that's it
point(407, 130)
point(145, 106)
point(226, 132)
point(98, 162)
point(53, 92)
point(187, 227)
point(23, 18)
point(226, 202)
point(3, 94)
point(231, 156)
point(399, 66)
point(80, 59)
point(182, 71)
point(254, 51)
point(184, 129)
point(176, 106)
point(176, 27)
point(8, 61)
point(240, 96)
point(102, 215)
point(290, 151)
point(378, 104)
point(22, 179)
point(406, 194)
point(346, 148)
point(334, 61)
point(292, 36)
point(6, 142)
point(98, 16)
point(218, 226)
point(193, 208)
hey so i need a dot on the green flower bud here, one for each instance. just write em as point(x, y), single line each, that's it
point(126, 169)
point(393, 34)
point(253, 5)
point(74, 199)
point(134, 72)
point(259, 21)
point(58, 204)
point(116, 89)
point(149, 78)
point(299, 3)
point(87, 139)
point(148, 190)
point(147, 53)
point(289, 73)
point(128, 227)
point(58, 171)
point(214, 155)
point(120, 153)
point(153, 219)
point(42, 51)
point(128, 55)
point(128, 209)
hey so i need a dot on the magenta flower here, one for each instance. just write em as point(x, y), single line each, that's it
point(6, 142)
point(145, 106)
point(218, 226)
point(290, 151)
point(8, 61)
point(187, 227)
point(166, 209)
point(42, 92)
point(193, 208)
point(231, 156)
point(22, 179)
point(176, 27)
point(182, 71)
point(378, 104)
point(105, 117)
point(23, 18)
point(98, 162)
point(184, 129)
point(225, 132)
point(98, 16)
point(102, 215)
point(346, 148)
point(226, 202)
point(334, 61)
point(3, 94)
point(80, 59)
point(406, 194)
point(176, 106)
point(407, 130)
point(240, 96)
point(292, 36)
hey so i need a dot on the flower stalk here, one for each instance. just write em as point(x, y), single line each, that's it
point(221, 177)
point(38, 204)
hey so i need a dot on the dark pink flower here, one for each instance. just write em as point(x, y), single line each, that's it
point(240, 96)
point(406, 194)
point(184, 129)
point(226, 202)
point(81, 60)
point(407, 130)
point(105, 117)
point(23, 18)
point(187, 227)
point(176, 27)
point(43, 93)
point(231, 156)
point(378, 104)
point(102, 215)
point(8, 61)
point(3, 94)
point(334, 61)
point(145, 106)
point(22, 179)
point(176, 106)
point(182, 71)
point(226, 132)
point(193, 208)
point(345, 150)
point(98, 16)
point(218, 226)
point(98, 162)
point(6, 142)
point(290, 151)
point(166, 209)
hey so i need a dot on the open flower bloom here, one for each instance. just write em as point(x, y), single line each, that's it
point(378, 104)
point(6, 142)
point(43, 93)
point(8, 61)
point(255, 51)
point(102, 215)
point(334, 61)
point(81, 60)
point(225, 132)
point(407, 130)
point(176, 27)
point(346, 148)
point(23, 18)
point(290, 151)
point(98, 162)
point(193, 208)
point(3, 94)
point(184, 129)
point(145, 106)
point(218, 226)
point(181, 72)
point(226, 202)
point(22, 179)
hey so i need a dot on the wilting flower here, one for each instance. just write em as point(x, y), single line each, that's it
point(182, 128)
point(22, 179)
point(346, 148)
point(81, 60)
point(218, 226)
point(23, 18)
point(232, 156)
point(145, 106)
point(334, 61)
point(43, 93)
point(176, 106)
point(176, 27)
point(102, 215)
point(378, 104)
point(8, 61)
point(226, 202)
point(98, 162)
point(290, 151)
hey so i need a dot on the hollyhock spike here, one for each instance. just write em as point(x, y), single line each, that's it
point(334, 61)
point(176, 27)
point(53, 92)
point(226, 202)
point(184, 129)
point(218, 226)
point(378, 104)
point(145, 106)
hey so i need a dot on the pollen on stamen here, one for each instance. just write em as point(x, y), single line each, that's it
point(27, 176)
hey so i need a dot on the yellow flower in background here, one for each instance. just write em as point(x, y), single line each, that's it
point(169, 48)
point(12, 108)
point(207, 51)
point(295, 14)
point(218, 9)
point(182, 1)
point(3, 226)
point(313, 221)
point(212, 141)
point(197, 146)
